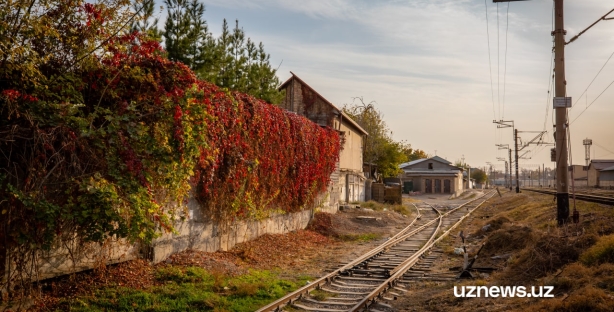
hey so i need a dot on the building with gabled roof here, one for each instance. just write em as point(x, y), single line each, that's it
point(432, 175)
point(347, 183)
point(600, 173)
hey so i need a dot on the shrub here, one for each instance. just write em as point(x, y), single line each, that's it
point(601, 252)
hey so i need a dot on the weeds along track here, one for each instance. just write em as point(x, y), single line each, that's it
point(379, 275)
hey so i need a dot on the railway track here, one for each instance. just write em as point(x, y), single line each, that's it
point(579, 196)
point(382, 274)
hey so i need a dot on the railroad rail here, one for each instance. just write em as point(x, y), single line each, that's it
point(365, 282)
point(579, 196)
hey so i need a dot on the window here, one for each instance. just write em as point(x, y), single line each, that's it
point(430, 165)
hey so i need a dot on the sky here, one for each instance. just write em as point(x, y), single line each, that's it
point(441, 71)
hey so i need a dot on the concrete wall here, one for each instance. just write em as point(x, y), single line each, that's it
point(419, 182)
point(593, 176)
point(606, 179)
point(197, 233)
point(59, 260)
point(350, 157)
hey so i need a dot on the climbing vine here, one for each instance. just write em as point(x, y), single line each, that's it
point(102, 136)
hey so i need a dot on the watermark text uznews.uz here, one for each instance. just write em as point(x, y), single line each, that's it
point(503, 291)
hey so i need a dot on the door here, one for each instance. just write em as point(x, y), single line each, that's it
point(437, 186)
point(429, 186)
point(408, 186)
point(446, 186)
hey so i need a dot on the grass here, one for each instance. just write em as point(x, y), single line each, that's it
point(601, 252)
point(402, 209)
point(321, 295)
point(366, 237)
point(190, 289)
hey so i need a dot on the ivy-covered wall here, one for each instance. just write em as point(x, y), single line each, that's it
point(104, 138)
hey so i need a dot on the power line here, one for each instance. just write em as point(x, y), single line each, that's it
point(589, 105)
point(607, 150)
point(507, 22)
point(492, 92)
point(589, 85)
point(498, 66)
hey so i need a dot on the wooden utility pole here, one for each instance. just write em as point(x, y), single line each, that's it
point(562, 189)
point(510, 152)
point(516, 148)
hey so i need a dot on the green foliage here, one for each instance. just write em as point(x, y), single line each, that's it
point(366, 237)
point(391, 156)
point(186, 35)
point(190, 289)
point(479, 175)
point(414, 154)
point(103, 138)
point(231, 61)
point(601, 252)
point(379, 146)
point(144, 21)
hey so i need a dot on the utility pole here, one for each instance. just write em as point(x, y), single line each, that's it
point(505, 176)
point(562, 189)
point(516, 156)
point(510, 152)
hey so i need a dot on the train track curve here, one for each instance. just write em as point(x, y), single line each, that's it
point(378, 275)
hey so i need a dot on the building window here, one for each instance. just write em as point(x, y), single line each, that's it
point(430, 165)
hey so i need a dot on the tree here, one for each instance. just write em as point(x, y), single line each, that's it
point(413, 154)
point(370, 119)
point(479, 176)
point(460, 164)
point(186, 35)
point(390, 157)
point(144, 21)
point(379, 147)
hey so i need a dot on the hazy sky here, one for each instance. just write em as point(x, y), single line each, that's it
point(426, 64)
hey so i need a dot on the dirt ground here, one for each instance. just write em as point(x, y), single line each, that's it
point(333, 240)
point(524, 245)
point(299, 253)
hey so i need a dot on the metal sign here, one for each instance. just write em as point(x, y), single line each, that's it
point(562, 102)
point(553, 154)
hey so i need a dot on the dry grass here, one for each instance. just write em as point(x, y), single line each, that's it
point(402, 209)
point(587, 298)
point(577, 259)
point(601, 252)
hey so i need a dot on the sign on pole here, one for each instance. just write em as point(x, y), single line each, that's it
point(564, 102)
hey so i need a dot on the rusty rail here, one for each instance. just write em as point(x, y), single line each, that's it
point(407, 264)
point(395, 274)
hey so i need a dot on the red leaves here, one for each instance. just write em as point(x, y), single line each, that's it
point(267, 157)
point(14, 95)
point(178, 134)
point(255, 157)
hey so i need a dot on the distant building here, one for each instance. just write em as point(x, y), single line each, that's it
point(606, 177)
point(595, 170)
point(432, 175)
point(347, 183)
point(580, 175)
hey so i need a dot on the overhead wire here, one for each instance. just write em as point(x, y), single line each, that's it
point(589, 85)
point(507, 20)
point(589, 105)
point(492, 92)
point(498, 66)
point(607, 150)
